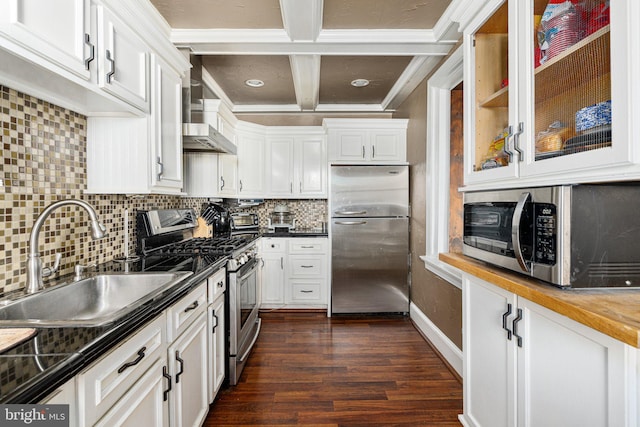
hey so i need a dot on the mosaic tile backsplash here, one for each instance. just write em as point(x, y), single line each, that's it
point(43, 161)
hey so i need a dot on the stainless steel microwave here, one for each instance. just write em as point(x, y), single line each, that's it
point(574, 236)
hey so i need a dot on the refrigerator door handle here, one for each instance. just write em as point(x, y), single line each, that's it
point(351, 212)
point(351, 222)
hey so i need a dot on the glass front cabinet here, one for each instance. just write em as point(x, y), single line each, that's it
point(551, 92)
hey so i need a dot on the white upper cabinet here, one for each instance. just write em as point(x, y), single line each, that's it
point(123, 60)
point(296, 163)
point(251, 150)
point(551, 112)
point(56, 29)
point(166, 126)
point(367, 140)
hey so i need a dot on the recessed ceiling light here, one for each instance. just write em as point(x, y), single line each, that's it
point(254, 83)
point(360, 83)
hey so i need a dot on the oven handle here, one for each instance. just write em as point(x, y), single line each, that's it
point(253, 341)
point(247, 269)
point(515, 231)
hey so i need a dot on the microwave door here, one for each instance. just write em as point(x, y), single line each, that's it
point(522, 232)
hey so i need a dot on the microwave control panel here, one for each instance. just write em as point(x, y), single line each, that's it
point(545, 233)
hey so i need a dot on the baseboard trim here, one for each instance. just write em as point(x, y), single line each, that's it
point(447, 349)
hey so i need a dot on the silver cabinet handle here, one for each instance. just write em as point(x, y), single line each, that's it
point(373, 151)
point(193, 306)
point(281, 263)
point(508, 152)
point(222, 182)
point(301, 186)
point(504, 321)
point(92, 51)
point(363, 151)
point(306, 292)
point(307, 247)
point(240, 185)
point(306, 266)
point(351, 212)
point(515, 230)
point(516, 141)
point(351, 222)
point(112, 61)
point(515, 327)
point(159, 162)
point(215, 316)
point(291, 187)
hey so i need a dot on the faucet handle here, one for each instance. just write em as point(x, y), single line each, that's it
point(79, 269)
point(48, 271)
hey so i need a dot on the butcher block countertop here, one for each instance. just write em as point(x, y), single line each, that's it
point(614, 312)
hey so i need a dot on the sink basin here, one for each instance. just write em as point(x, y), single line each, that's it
point(93, 301)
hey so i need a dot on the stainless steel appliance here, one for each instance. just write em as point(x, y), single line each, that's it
point(578, 236)
point(281, 219)
point(244, 221)
point(369, 208)
point(165, 239)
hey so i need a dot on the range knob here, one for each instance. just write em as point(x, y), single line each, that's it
point(242, 259)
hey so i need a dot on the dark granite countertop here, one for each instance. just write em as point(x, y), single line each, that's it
point(35, 368)
point(300, 232)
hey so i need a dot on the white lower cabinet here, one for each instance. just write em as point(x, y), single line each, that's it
point(65, 395)
point(188, 367)
point(217, 285)
point(525, 365)
point(160, 376)
point(294, 272)
point(107, 382)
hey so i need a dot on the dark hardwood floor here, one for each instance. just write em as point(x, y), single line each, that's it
point(307, 369)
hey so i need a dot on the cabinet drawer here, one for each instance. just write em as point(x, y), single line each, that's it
point(216, 285)
point(184, 312)
point(308, 246)
point(306, 292)
point(306, 266)
point(102, 384)
point(272, 245)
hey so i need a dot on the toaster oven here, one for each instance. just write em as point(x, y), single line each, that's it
point(244, 221)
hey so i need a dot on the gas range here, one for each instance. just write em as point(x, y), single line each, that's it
point(165, 241)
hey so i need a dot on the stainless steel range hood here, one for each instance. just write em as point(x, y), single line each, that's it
point(196, 134)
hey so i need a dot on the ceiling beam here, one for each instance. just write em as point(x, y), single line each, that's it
point(417, 70)
point(306, 80)
point(302, 19)
point(329, 42)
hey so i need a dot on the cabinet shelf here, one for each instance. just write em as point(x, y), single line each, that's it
point(582, 62)
point(558, 75)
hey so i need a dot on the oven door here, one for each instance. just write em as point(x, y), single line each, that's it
point(244, 322)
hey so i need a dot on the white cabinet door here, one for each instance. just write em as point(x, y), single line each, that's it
point(311, 166)
point(201, 174)
point(65, 395)
point(56, 29)
point(216, 349)
point(563, 361)
point(527, 366)
point(188, 368)
point(144, 404)
point(273, 277)
point(123, 60)
point(387, 145)
point(489, 357)
point(166, 122)
point(280, 167)
point(251, 162)
point(227, 175)
point(348, 145)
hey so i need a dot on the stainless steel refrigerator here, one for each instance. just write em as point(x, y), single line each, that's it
point(369, 239)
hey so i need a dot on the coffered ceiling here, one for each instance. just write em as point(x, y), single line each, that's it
point(307, 52)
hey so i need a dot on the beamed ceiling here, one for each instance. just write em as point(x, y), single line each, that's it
point(308, 51)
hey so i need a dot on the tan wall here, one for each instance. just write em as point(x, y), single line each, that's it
point(439, 300)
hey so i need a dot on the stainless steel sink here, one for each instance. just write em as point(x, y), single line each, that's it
point(93, 301)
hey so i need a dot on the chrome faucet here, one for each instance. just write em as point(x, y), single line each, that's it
point(34, 263)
